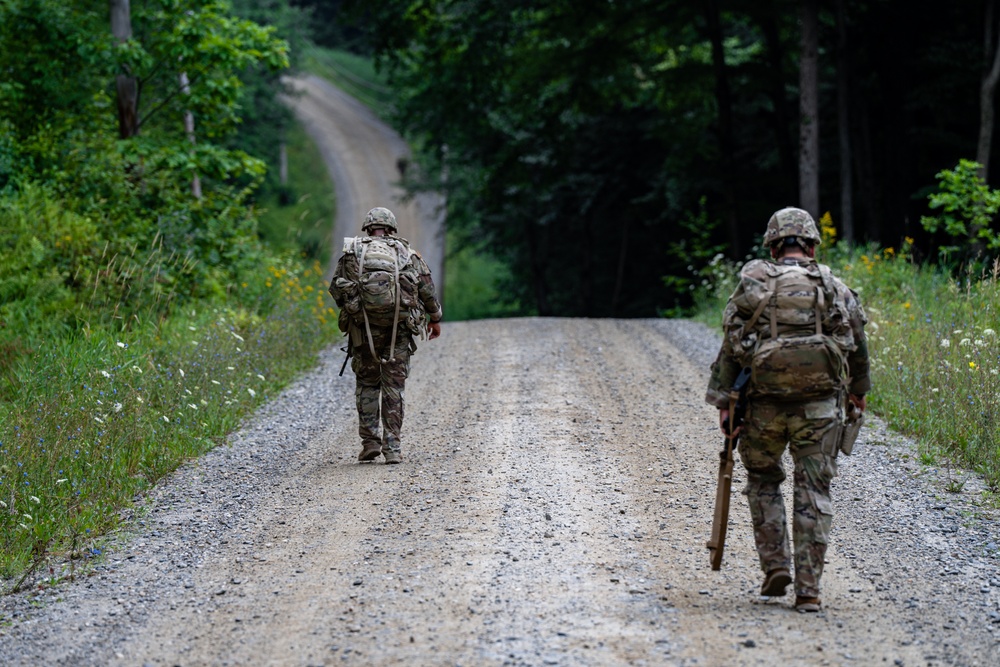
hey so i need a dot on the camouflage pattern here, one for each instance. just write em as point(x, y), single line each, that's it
point(811, 432)
point(810, 426)
point(379, 389)
point(843, 322)
point(791, 222)
point(379, 217)
point(380, 384)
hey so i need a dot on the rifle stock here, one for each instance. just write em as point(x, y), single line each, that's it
point(717, 542)
point(720, 521)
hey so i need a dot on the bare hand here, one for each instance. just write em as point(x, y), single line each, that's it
point(724, 424)
point(433, 330)
point(859, 401)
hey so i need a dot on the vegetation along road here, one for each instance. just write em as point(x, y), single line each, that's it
point(552, 510)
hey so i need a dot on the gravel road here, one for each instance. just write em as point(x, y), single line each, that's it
point(552, 509)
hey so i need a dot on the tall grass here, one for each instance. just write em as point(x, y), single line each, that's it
point(934, 347)
point(88, 421)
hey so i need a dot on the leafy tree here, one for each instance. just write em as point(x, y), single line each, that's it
point(968, 207)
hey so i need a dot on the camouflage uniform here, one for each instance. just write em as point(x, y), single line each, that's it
point(810, 427)
point(381, 378)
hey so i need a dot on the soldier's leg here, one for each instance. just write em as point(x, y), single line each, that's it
point(761, 446)
point(367, 397)
point(813, 446)
point(393, 380)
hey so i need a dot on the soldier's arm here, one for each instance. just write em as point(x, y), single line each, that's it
point(343, 271)
point(427, 292)
point(857, 360)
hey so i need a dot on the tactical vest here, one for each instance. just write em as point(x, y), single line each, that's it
point(796, 334)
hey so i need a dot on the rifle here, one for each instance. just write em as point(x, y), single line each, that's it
point(350, 351)
point(737, 409)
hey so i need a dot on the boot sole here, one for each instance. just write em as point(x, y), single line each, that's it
point(776, 584)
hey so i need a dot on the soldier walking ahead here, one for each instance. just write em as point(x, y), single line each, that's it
point(801, 332)
point(386, 298)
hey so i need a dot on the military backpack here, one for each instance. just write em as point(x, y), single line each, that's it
point(797, 338)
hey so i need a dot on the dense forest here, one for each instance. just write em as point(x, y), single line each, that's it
point(601, 151)
point(596, 146)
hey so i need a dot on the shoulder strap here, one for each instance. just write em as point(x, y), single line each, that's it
point(769, 298)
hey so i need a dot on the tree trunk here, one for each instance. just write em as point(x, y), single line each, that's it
point(723, 100)
point(809, 110)
point(781, 118)
point(189, 130)
point(126, 85)
point(844, 127)
point(987, 91)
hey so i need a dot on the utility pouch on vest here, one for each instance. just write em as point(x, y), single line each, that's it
point(855, 418)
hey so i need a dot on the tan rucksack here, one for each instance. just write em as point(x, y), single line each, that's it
point(798, 336)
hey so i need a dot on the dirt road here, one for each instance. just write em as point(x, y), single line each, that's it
point(362, 155)
point(552, 509)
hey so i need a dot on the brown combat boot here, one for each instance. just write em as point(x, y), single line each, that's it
point(393, 457)
point(370, 452)
point(775, 582)
point(806, 604)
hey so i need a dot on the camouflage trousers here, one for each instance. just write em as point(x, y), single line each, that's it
point(379, 388)
point(811, 431)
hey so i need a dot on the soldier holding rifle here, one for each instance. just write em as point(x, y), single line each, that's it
point(800, 332)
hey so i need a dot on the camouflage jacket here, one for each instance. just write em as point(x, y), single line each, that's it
point(844, 322)
point(418, 304)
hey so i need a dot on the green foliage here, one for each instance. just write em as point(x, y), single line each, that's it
point(549, 128)
point(90, 420)
point(968, 207)
point(300, 216)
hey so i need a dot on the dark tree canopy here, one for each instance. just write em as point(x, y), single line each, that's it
point(585, 143)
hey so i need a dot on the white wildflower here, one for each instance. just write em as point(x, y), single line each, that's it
point(251, 392)
point(192, 328)
point(216, 382)
point(166, 419)
point(262, 378)
point(934, 390)
point(989, 332)
point(181, 371)
point(121, 344)
point(979, 342)
point(237, 336)
point(195, 343)
point(964, 342)
point(118, 407)
point(106, 374)
point(945, 342)
point(230, 368)
point(3, 504)
point(188, 392)
point(192, 406)
point(139, 398)
point(60, 481)
point(28, 517)
point(98, 420)
point(957, 332)
point(137, 369)
point(34, 499)
point(23, 526)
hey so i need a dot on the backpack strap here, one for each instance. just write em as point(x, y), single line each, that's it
point(770, 297)
point(820, 309)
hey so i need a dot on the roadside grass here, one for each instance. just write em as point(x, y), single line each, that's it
point(300, 218)
point(473, 285)
point(352, 73)
point(934, 342)
point(90, 421)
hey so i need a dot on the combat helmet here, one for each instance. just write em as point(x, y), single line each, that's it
point(379, 217)
point(791, 221)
